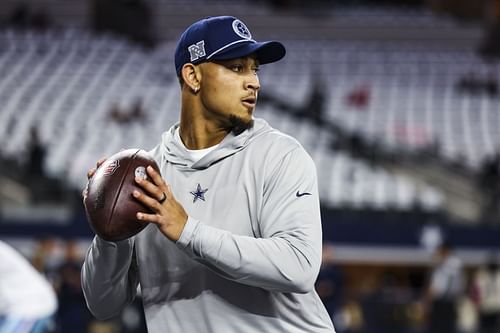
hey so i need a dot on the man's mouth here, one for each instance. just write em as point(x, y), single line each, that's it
point(250, 101)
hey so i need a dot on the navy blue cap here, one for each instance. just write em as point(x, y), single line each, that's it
point(222, 38)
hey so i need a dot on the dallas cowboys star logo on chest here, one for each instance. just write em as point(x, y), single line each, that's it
point(199, 193)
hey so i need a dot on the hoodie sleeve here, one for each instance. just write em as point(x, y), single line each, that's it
point(109, 277)
point(288, 255)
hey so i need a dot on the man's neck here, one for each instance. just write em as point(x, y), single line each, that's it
point(198, 133)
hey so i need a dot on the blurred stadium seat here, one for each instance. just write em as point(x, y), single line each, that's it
point(67, 89)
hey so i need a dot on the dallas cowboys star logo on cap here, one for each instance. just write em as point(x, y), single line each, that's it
point(199, 193)
point(241, 29)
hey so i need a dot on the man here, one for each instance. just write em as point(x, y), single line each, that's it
point(234, 244)
point(27, 300)
point(446, 286)
point(486, 287)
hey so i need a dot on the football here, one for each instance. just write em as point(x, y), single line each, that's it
point(109, 205)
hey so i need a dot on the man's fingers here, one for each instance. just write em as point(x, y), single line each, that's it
point(101, 161)
point(147, 200)
point(152, 218)
point(157, 188)
point(156, 177)
point(90, 173)
point(152, 189)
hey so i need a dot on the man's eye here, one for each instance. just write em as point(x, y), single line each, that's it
point(256, 70)
point(237, 68)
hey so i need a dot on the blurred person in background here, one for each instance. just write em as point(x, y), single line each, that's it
point(330, 282)
point(47, 258)
point(486, 290)
point(36, 155)
point(27, 300)
point(445, 289)
point(72, 315)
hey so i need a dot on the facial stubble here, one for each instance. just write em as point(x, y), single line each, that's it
point(239, 124)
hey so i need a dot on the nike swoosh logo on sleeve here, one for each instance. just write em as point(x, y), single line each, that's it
point(298, 194)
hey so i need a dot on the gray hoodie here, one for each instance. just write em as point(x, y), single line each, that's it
point(248, 256)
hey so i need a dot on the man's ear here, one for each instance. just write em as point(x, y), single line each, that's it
point(191, 76)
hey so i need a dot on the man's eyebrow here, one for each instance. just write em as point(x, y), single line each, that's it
point(252, 59)
point(255, 61)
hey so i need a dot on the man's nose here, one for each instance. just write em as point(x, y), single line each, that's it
point(253, 82)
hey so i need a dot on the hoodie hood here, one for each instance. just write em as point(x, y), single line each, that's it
point(175, 153)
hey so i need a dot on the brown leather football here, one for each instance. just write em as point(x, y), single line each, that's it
point(110, 207)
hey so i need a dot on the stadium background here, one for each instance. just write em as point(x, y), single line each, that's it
point(396, 101)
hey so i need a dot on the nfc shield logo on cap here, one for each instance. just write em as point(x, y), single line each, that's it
point(241, 29)
point(197, 51)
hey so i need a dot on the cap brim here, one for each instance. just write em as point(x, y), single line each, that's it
point(266, 52)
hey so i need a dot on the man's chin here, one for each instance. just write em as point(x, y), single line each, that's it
point(239, 124)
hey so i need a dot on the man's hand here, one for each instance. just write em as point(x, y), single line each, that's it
point(90, 173)
point(170, 217)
